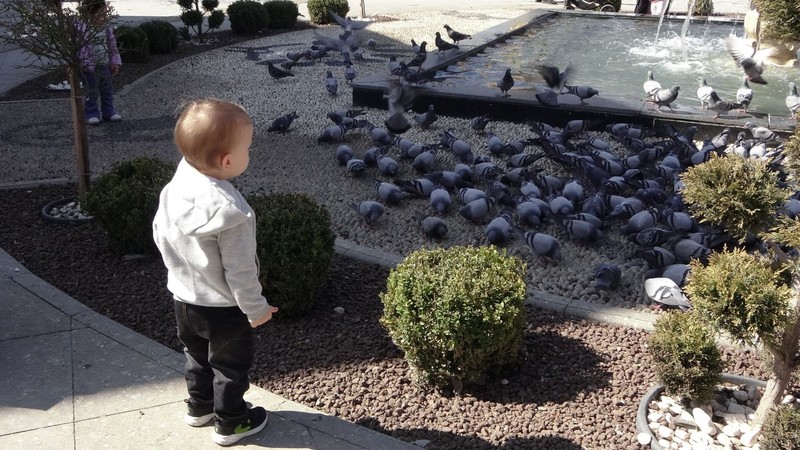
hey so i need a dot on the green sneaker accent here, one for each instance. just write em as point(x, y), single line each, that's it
point(241, 428)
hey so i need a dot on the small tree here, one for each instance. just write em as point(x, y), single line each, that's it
point(753, 297)
point(783, 19)
point(54, 35)
point(195, 10)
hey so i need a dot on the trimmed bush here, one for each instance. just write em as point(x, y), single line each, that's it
point(685, 356)
point(161, 35)
point(124, 201)
point(215, 19)
point(781, 20)
point(247, 17)
point(456, 313)
point(318, 10)
point(282, 13)
point(703, 8)
point(781, 430)
point(295, 248)
point(132, 43)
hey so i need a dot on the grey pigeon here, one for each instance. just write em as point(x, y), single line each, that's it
point(369, 210)
point(687, 249)
point(388, 192)
point(656, 257)
point(704, 92)
point(529, 213)
point(665, 97)
point(333, 133)
point(493, 143)
point(388, 166)
point(467, 195)
point(460, 148)
point(420, 56)
point(421, 187)
point(675, 272)
point(277, 73)
point(721, 106)
point(464, 171)
point(582, 92)
point(751, 61)
point(651, 236)
point(499, 229)
point(400, 99)
point(544, 245)
point(425, 161)
point(349, 73)
point(356, 166)
point(665, 291)
point(371, 155)
point(582, 231)
point(762, 134)
point(555, 79)
point(282, 123)
point(479, 123)
point(477, 209)
point(343, 154)
point(561, 206)
point(678, 221)
point(427, 118)
point(331, 84)
point(414, 46)
point(640, 221)
point(455, 35)
point(443, 45)
point(506, 83)
point(650, 85)
point(440, 200)
point(744, 95)
point(434, 227)
point(347, 23)
point(606, 276)
point(793, 100)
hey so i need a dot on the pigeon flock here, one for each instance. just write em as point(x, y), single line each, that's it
point(544, 194)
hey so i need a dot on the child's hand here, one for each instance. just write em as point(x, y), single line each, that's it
point(265, 318)
point(115, 69)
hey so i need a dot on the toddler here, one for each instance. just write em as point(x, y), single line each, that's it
point(99, 61)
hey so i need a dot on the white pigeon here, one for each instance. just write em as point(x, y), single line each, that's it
point(651, 86)
point(793, 100)
point(704, 92)
point(665, 291)
point(744, 95)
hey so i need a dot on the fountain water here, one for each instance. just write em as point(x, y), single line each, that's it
point(661, 20)
point(686, 28)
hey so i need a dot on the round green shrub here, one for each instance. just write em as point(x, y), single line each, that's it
point(781, 430)
point(685, 356)
point(456, 313)
point(703, 8)
point(282, 13)
point(132, 43)
point(247, 17)
point(318, 10)
point(295, 248)
point(161, 35)
point(215, 19)
point(192, 18)
point(124, 201)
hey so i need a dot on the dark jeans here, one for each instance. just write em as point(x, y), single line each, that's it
point(98, 84)
point(219, 352)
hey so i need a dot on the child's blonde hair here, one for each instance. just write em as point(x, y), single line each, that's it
point(206, 129)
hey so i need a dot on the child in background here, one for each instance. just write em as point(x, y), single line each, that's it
point(205, 231)
point(99, 61)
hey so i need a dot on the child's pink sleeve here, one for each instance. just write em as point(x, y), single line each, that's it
point(114, 58)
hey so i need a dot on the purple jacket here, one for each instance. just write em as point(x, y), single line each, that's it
point(87, 56)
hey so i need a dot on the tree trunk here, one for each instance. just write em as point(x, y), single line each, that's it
point(784, 358)
point(79, 132)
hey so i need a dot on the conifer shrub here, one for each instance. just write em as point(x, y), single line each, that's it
point(781, 20)
point(685, 356)
point(456, 313)
point(294, 247)
point(781, 430)
point(162, 36)
point(132, 43)
point(282, 13)
point(703, 8)
point(247, 17)
point(125, 200)
point(318, 10)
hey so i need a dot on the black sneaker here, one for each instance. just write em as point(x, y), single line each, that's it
point(198, 415)
point(255, 421)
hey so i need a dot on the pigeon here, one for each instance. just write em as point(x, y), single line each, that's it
point(277, 73)
point(704, 92)
point(421, 187)
point(506, 83)
point(751, 61)
point(333, 133)
point(651, 86)
point(440, 200)
point(499, 229)
point(544, 245)
point(582, 231)
point(455, 35)
point(744, 95)
point(762, 134)
point(793, 100)
point(606, 276)
point(665, 97)
point(665, 291)
point(426, 119)
point(349, 73)
point(467, 195)
point(388, 192)
point(282, 123)
point(414, 46)
point(343, 154)
point(720, 106)
point(582, 92)
point(356, 166)
point(554, 79)
point(687, 249)
point(477, 209)
point(656, 257)
point(461, 149)
point(331, 84)
point(675, 272)
point(434, 227)
point(393, 65)
point(347, 23)
point(529, 213)
point(400, 99)
point(479, 123)
point(443, 45)
point(388, 166)
point(369, 210)
point(371, 155)
point(419, 58)
point(425, 161)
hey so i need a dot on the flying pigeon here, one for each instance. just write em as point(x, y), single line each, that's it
point(665, 97)
point(554, 79)
point(793, 100)
point(651, 86)
point(748, 58)
point(331, 84)
point(369, 210)
point(719, 105)
point(443, 45)
point(506, 83)
point(744, 95)
point(704, 92)
point(347, 23)
point(455, 35)
point(282, 123)
point(665, 291)
point(400, 99)
point(277, 73)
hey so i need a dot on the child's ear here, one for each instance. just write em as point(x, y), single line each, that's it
point(225, 161)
